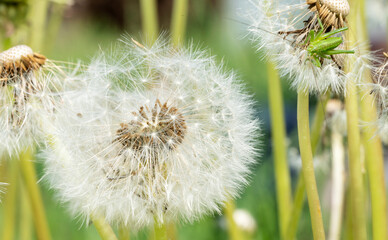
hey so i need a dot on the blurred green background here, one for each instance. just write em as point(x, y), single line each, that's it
point(87, 25)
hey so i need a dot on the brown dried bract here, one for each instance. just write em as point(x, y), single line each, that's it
point(160, 127)
point(14, 64)
point(331, 12)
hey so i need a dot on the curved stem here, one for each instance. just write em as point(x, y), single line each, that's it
point(103, 228)
point(308, 166)
point(300, 190)
point(30, 181)
point(149, 19)
point(282, 173)
point(179, 19)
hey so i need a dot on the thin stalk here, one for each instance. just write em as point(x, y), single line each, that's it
point(25, 231)
point(30, 181)
point(149, 19)
point(178, 23)
point(338, 185)
point(124, 232)
point(356, 176)
point(308, 166)
point(372, 143)
point(171, 231)
point(282, 173)
point(356, 186)
point(103, 228)
point(160, 231)
point(10, 201)
point(234, 231)
point(300, 190)
point(37, 19)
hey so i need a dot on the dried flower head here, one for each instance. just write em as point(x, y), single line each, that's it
point(24, 88)
point(332, 12)
point(155, 133)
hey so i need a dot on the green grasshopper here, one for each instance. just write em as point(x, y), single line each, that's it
point(321, 45)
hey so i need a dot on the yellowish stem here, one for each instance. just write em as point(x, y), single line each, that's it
point(124, 233)
point(372, 143)
point(37, 17)
point(103, 228)
point(278, 129)
point(30, 181)
point(26, 215)
point(308, 166)
point(234, 231)
point(149, 19)
point(160, 231)
point(178, 23)
point(10, 200)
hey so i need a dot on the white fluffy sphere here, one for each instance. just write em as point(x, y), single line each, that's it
point(154, 133)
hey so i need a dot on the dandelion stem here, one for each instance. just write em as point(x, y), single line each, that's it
point(178, 23)
point(338, 185)
point(30, 181)
point(37, 18)
point(356, 176)
point(10, 201)
point(160, 231)
point(372, 143)
point(282, 174)
point(300, 190)
point(149, 19)
point(233, 231)
point(356, 186)
point(103, 228)
point(124, 232)
point(308, 166)
point(26, 215)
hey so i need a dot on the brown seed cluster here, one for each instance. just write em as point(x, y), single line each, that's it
point(159, 127)
point(18, 61)
point(331, 12)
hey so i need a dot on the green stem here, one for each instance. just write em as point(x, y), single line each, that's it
point(179, 19)
point(26, 215)
point(282, 174)
point(300, 190)
point(37, 18)
point(30, 181)
point(103, 228)
point(160, 231)
point(356, 176)
point(124, 233)
point(233, 231)
point(308, 166)
point(373, 148)
point(10, 201)
point(149, 19)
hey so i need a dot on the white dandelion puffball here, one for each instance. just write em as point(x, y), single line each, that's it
point(155, 133)
point(25, 86)
point(279, 32)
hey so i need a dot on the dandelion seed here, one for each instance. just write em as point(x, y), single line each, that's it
point(24, 97)
point(149, 149)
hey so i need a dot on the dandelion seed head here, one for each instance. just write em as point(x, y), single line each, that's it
point(24, 97)
point(149, 149)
